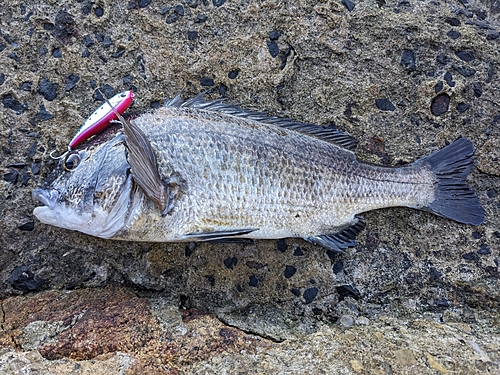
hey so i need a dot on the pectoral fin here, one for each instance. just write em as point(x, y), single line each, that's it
point(143, 163)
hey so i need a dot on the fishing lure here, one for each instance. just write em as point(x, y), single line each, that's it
point(101, 118)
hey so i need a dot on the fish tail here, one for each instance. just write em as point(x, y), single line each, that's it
point(454, 199)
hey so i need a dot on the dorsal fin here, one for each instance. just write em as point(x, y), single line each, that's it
point(329, 134)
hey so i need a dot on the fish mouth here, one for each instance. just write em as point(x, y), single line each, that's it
point(47, 198)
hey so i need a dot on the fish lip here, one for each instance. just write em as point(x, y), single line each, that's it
point(46, 197)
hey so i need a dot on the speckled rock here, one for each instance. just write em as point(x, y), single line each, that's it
point(97, 306)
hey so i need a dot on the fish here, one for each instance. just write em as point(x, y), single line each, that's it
point(196, 170)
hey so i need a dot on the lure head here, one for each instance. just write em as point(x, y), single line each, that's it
point(89, 191)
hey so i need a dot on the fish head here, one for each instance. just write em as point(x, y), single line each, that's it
point(89, 191)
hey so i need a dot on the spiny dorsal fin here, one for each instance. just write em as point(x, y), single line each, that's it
point(143, 163)
point(329, 134)
point(342, 240)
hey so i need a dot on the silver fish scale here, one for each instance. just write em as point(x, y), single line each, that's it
point(243, 174)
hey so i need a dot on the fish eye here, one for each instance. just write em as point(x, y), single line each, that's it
point(71, 161)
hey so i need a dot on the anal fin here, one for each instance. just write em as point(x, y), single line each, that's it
point(341, 240)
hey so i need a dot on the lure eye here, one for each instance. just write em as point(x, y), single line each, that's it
point(71, 162)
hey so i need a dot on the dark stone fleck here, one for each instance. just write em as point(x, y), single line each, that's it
point(118, 54)
point(85, 53)
point(171, 18)
point(218, 3)
point(384, 104)
point(156, 104)
point(254, 281)
point(165, 9)
point(201, 18)
point(465, 71)
point(28, 15)
point(317, 311)
point(273, 48)
point(434, 274)
point(490, 73)
point(179, 9)
point(106, 42)
point(440, 104)
point(477, 87)
point(27, 227)
point(143, 3)
point(9, 102)
point(491, 193)
point(57, 53)
point(348, 4)
point(192, 34)
point(452, 21)
point(32, 149)
point(189, 249)
point(35, 167)
point(211, 280)
point(43, 114)
point(2, 47)
point(348, 291)
point(233, 73)
point(14, 57)
point(99, 12)
point(438, 87)
point(26, 86)
point(462, 107)
point(48, 89)
point(87, 7)
point(48, 26)
point(191, 3)
point(338, 267)
point(289, 271)
point(239, 288)
point(222, 90)
point(470, 256)
point(107, 90)
point(449, 79)
point(281, 244)
point(295, 292)
point(71, 81)
point(453, 34)
point(443, 302)
point(230, 262)
point(298, 252)
point(492, 34)
point(466, 56)
point(205, 81)
point(20, 165)
point(23, 279)
point(2, 78)
point(274, 35)
point(99, 37)
point(408, 60)
point(11, 177)
point(411, 277)
point(310, 294)
point(442, 59)
point(476, 235)
point(484, 250)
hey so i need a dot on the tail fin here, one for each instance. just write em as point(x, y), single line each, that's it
point(454, 198)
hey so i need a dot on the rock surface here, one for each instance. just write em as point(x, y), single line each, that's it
point(419, 294)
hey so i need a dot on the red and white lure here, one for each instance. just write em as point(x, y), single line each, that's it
point(101, 118)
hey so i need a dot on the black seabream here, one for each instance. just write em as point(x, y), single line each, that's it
point(199, 171)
